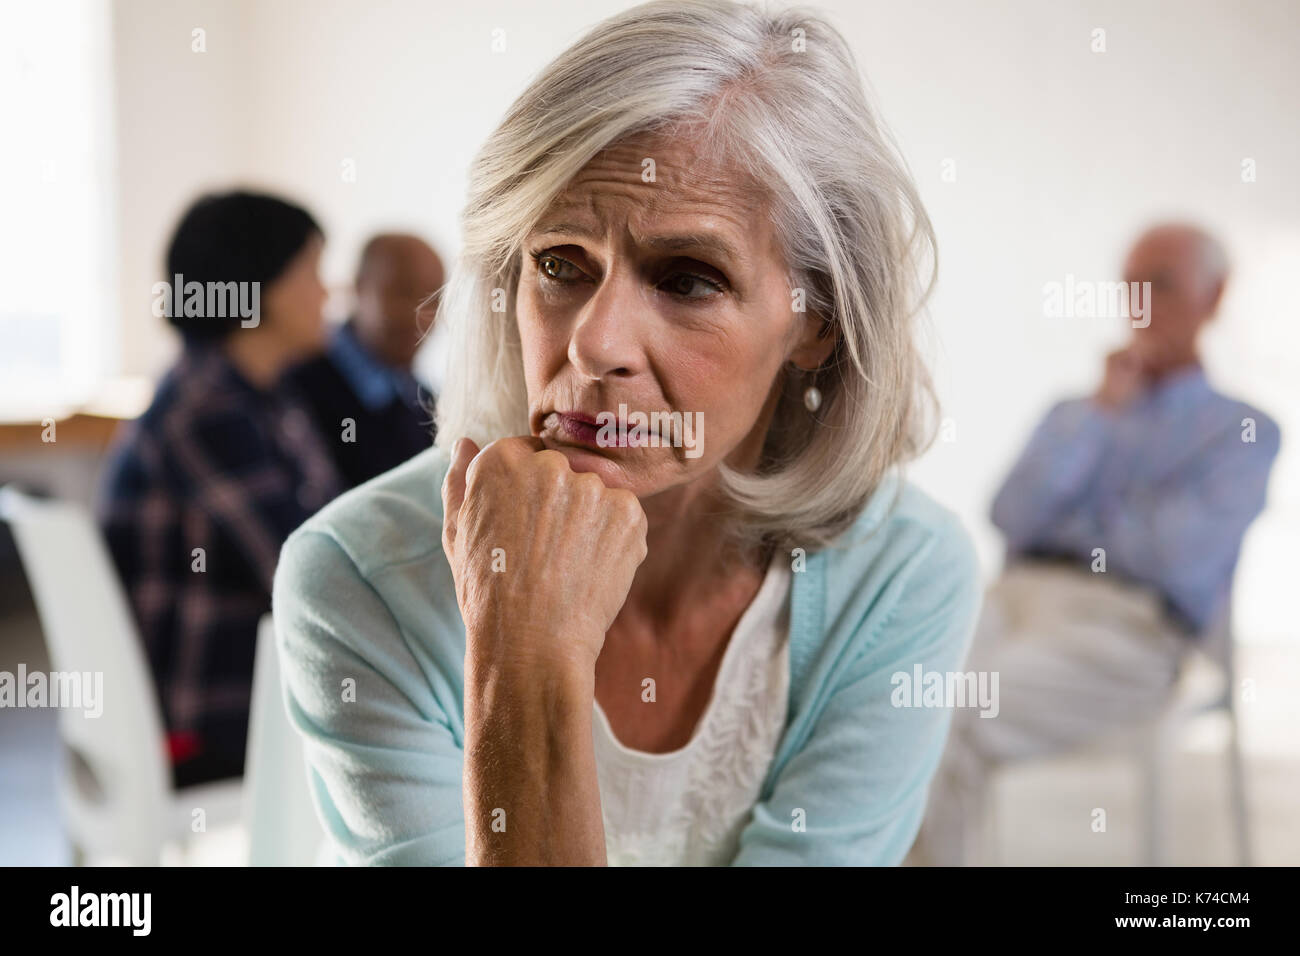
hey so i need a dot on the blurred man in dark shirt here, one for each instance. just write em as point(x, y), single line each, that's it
point(368, 406)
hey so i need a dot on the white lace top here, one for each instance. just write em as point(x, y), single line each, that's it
point(688, 807)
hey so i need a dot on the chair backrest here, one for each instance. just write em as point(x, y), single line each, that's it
point(116, 774)
point(283, 829)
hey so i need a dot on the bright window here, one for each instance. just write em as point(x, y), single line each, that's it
point(58, 302)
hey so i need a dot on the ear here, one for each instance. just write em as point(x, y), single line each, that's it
point(816, 340)
point(1214, 296)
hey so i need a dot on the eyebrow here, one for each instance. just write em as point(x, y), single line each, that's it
point(671, 242)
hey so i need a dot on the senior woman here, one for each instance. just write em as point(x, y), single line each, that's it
point(548, 642)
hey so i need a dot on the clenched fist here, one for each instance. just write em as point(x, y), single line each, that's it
point(542, 556)
point(1124, 379)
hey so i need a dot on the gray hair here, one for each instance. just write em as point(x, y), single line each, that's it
point(780, 93)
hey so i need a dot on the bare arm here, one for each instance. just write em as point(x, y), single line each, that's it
point(531, 796)
point(543, 559)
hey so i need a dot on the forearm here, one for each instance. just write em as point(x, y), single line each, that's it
point(530, 790)
point(1062, 457)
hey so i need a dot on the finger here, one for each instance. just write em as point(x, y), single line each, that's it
point(514, 448)
point(522, 444)
point(519, 451)
point(453, 485)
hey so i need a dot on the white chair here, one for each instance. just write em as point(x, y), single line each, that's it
point(1206, 684)
point(283, 829)
point(115, 793)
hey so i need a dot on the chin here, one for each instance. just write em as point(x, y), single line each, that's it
point(316, 344)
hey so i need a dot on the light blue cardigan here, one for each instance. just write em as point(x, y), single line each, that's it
point(372, 648)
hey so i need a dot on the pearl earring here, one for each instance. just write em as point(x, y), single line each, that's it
point(812, 398)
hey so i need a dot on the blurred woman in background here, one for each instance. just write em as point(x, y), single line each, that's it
point(200, 492)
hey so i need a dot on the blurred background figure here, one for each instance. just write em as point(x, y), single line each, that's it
point(199, 493)
point(1123, 520)
point(367, 404)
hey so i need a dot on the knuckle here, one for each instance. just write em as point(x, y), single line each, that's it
point(629, 506)
point(512, 448)
point(492, 461)
point(590, 484)
point(550, 458)
point(480, 463)
point(551, 469)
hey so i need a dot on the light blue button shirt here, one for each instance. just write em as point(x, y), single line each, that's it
point(1166, 486)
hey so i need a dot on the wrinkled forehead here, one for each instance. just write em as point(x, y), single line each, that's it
point(650, 178)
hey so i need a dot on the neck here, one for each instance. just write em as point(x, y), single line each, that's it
point(690, 559)
point(1177, 364)
point(256, 357)
point(373, 345)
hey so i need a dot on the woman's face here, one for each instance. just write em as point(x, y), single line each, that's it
point(660, 288)
point(294, 303)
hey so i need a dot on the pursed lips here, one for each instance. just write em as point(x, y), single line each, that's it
point(555, 420)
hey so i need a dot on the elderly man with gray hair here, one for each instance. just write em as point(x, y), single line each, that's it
point(1123, 520)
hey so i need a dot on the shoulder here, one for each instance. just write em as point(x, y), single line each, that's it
point(907, 566)
point(364, 583)
point(1236, 441)
point(1250, 425)
point(203, 414)
point(901, 528)
point(140, 451)
point(317, 380)
point(394, 519)
point(1075, 412)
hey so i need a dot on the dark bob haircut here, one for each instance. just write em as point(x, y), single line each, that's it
point(240, 237)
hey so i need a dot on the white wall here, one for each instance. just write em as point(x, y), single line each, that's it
point(1061, 154)
point(183, 121)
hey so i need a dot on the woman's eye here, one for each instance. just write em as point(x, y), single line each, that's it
point(553, 267)
point(688, 286)
point(683, 285)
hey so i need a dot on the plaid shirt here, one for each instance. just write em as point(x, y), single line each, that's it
point(198, 495)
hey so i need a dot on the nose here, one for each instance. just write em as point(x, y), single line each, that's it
point(606, 339)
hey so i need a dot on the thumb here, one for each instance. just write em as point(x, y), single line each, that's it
point(453, 485)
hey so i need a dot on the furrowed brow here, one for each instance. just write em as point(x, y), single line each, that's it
point(681, 243)
point(696, 242)
point(567, 229)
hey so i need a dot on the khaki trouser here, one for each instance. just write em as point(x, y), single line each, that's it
point(1078, 656)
